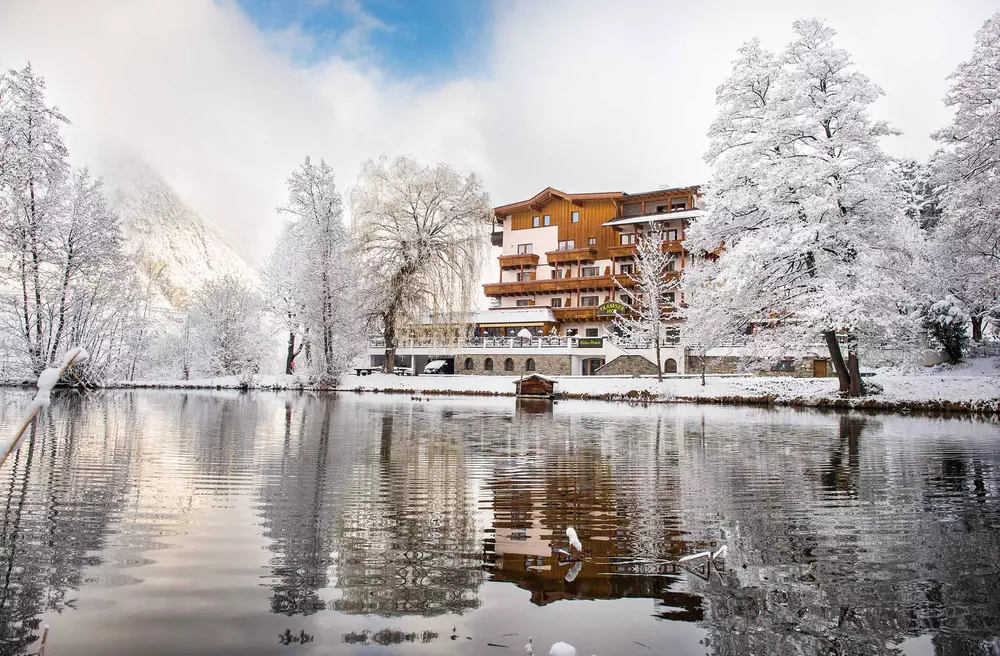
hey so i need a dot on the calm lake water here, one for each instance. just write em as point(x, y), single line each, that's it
point(214, 523)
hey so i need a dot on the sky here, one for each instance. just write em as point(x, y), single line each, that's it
point(226, 97)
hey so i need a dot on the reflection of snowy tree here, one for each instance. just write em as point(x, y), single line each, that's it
point(408, 539)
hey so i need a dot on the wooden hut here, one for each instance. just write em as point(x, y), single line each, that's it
point(536, 386)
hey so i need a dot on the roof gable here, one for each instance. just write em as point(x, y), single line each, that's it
point(547, 195)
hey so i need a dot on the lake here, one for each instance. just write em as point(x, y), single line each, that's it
point(163, 522)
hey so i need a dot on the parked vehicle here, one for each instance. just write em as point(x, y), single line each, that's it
point(440, 367)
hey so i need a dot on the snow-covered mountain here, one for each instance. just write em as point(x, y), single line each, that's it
point(177, 248)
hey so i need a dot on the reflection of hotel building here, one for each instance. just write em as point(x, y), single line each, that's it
point(563, 257)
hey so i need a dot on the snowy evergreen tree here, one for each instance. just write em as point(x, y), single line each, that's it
point(920, 194)
point(946, 324)
point(652, 296)
point(966, 247)
point(225, 328)
point(422, 235)
point(806, 205)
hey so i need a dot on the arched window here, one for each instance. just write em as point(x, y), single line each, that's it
point(670, 366)
point(508, 364)
point(469, 366)
point(488, 365)
point(529, 364)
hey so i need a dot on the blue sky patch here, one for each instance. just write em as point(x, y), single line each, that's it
point(425, 38)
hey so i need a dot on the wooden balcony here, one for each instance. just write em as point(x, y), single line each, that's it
point(555, 285)
point(585, 254)
point(518, 261)
point(576, 314)
point(628, 250)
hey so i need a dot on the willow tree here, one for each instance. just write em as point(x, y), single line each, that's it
point(422, 235)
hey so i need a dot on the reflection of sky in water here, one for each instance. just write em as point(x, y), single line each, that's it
point(214, 523)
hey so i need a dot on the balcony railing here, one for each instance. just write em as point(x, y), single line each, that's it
point(585, 254)
point(582, 283)
point(485, 342)
point(629, 250)
point(519, 260)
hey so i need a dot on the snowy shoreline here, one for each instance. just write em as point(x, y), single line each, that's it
point(966, 390)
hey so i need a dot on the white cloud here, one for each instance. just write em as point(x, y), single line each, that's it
point(579, 94)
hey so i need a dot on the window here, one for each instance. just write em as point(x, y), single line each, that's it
point(556, 303)
point(524, 302)
point(671, 265)
point(508, 364)
point(591, 332)
point(627, 299)
point(534, 222)
point(488, 364)
point(660, 209)
point(628, 238)
point(576, 217)
point(669, 297)
point(529, 364)
point(589, 301)
point(522, 276)
point(469, 365)
point(567, 245)
point(592, 241)
point(784, 365)
point(670, 366)
point(547, 220)
point(678, 204)
point(524, 249)
point(626, 269)
point(671, 235)
point(590, 272)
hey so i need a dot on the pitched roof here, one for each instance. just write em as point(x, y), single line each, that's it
point(539, 200)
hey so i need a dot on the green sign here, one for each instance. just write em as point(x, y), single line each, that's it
point(590, 342)
point(611, 309)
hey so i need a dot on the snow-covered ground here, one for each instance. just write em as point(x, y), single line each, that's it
point(974, 385)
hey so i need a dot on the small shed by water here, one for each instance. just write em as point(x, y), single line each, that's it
point(536, 386)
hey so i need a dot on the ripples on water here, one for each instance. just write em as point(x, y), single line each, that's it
point(214, 523)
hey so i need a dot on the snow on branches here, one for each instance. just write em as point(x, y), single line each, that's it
point(805, 203)
point(652, 296)
point(966, 245)
point(422, 234)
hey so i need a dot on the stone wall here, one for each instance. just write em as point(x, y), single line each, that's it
point(547, 365)
point(728, 364)
point(627, 365)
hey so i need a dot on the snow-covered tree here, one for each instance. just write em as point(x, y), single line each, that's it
point(652, 294)
point(312, 283)
point(225, 328)
point(707, 323)
point(806, 205)
point(920, 194)
point(966, 247)
point(422, 235)
point(285, 293)
point(946, 324)
point(33, 193)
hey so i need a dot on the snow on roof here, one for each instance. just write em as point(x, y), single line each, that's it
point(652, 218)
point(516, 316)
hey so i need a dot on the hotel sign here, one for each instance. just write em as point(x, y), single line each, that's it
point(590, 342)
point(611, 309)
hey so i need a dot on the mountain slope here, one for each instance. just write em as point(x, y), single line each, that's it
point(176, 247)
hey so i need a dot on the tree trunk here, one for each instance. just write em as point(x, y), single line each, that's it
point(855, 372)
point(977, 328)
point(290, 354)
point(843, 375)
point(659, 362)
point(704, 365)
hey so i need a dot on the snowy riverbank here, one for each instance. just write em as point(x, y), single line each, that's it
point(973, 387)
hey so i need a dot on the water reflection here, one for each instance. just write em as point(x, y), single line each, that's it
point(298, 516)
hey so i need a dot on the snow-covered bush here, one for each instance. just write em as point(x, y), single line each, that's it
point(946, 324)
point(226, 331)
